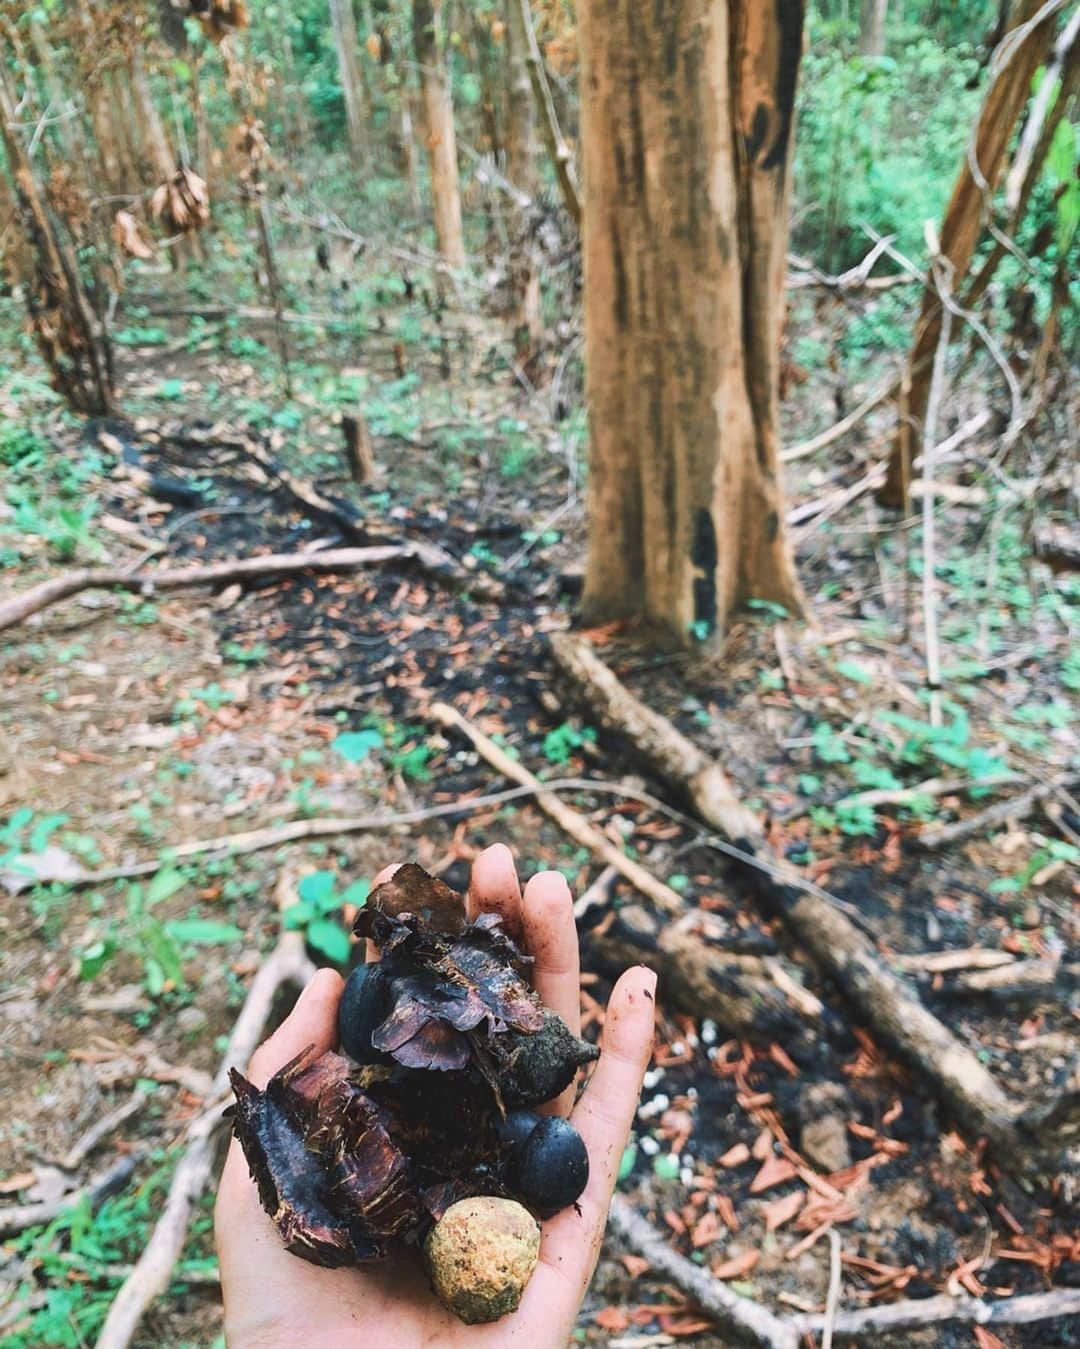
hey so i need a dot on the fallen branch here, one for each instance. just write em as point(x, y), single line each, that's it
point(739, 1316)
point(20, 607)
point(569, 820)
point(699, 976)
point(427, 556)
point(152, 1272)
point(1016, 808)
point(913, 1313)
point(102, 1127)
point(889, 1007)
point(840, 428)
point(18, 1217)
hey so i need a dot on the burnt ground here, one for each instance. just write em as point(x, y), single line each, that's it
point(142, 721)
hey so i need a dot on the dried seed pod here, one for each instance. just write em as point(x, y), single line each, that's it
point(480, 1255)
point(445, 1036)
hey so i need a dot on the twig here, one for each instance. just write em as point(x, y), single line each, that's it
point(101, 1128)
point(599, 893)
point(18, 609)
point(561, 156)
point(870, 1323)
point(941, 270)
point(842, 427)
point(571, 821)
point(21, 1216)
point(1016, 808)
point(832, 1299)
point(736, 1315)
point(152, 1272)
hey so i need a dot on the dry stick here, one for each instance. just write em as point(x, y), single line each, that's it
point(152, 1272)
point(890, 1007)
point(20, 607)
point(1015, 808)
point(871, 1322)
point(18, 1217)
point(1040, 106)
point(738, 1316)
point(941, 269)
point(102, 1128)
point(561, 155)
point(569, 820)
point(840, 428)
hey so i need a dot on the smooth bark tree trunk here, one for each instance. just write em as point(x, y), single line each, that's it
point(349, 70)
point(520, 105)
point(965, 217)
point(687, 126)
point(872, 27)
point(439, 133)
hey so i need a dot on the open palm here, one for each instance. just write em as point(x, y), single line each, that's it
point(273, 1299)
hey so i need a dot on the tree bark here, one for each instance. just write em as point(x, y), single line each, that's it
point(687, 126)
point(520, 106)
point(349, 70)
point(159, 152)
point(439, 133)
point(65, 326)
point(872, 27)
point(966, 213)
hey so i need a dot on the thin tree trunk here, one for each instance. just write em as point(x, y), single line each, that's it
point(345, 41)
point(967, 211)
point(439, 133)
point(67, 332)
point(408, 150)
point(521, 108)
point(561, 155)
point(872, 27)
point(684, 266)
point(160, 154)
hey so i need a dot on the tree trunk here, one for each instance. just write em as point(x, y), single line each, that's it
point(68, 334)
point(520, 105)
point(439, 133)
point(872, 27)
point(162, 161)
point(687, 125)
point(965, 215)
point(345, 40)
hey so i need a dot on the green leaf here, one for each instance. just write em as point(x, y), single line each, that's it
point(330, 939)
point(666, 1166)
point(203, 931)
point(356, 893)
point(851, 669)
point(171, 390)
point(164, 885)
point(316, 887)
point(93, 958)
point(629, 1160)
point(39, 836)
point(356, 745)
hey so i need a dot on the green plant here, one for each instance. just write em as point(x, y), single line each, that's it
point(319, 899)
point(561, 743)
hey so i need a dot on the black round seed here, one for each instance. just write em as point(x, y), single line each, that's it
point(363, 1009)
point(514, 1132)
point(553, 1167)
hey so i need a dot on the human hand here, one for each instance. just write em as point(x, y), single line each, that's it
point(274, 1300)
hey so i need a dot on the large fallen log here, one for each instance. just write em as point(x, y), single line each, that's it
point(887, 1004)
point(20, 607)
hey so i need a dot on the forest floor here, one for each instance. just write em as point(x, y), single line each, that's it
point(131, 723)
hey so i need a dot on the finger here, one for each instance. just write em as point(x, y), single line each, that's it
point(494, 887)
point(571, 1240)
point(371, 951)
point(551, 939)
point(313, 1021)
